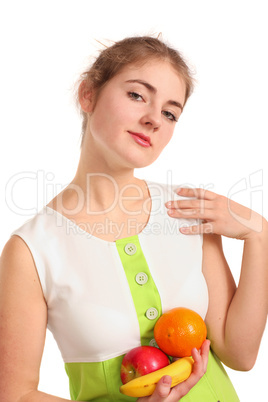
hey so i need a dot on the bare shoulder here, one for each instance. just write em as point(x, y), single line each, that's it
point(16, 262)
point(19, 282)
point(15, 248)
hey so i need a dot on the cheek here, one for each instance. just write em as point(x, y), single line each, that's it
point(100, 120)
point(166, 136)
point(110, 116)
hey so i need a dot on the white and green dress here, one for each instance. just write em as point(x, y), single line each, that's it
point(104, 297)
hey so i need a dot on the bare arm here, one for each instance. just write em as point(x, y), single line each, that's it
point(236, 318)
point(23, 319)
point(247, 313)
point(221, 289)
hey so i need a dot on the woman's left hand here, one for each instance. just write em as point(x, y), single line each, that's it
point(217, 214)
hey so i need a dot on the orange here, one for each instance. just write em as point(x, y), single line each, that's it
point(180, 330)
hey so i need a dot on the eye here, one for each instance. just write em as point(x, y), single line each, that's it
point(169, 115)
point(135, 96)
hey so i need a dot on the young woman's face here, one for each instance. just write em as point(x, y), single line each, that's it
point(136, 113)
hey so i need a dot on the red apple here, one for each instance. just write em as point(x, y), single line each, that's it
point(140, 361)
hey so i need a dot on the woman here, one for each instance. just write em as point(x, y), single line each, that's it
point(75, 266)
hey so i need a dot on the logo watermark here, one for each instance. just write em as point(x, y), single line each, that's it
point(44, 188)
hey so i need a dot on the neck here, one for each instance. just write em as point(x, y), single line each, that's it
point(102, 185)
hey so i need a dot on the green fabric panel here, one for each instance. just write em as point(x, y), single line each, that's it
point(101, 382)
point(96, 381)
point(144, 296)
point(214, 386)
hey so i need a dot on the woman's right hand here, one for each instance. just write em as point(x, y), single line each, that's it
point(163, 392)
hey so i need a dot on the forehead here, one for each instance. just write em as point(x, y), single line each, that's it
point(160, 74)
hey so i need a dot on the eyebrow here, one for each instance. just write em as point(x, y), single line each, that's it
point(154, 90)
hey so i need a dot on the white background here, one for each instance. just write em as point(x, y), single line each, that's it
point(218, 143)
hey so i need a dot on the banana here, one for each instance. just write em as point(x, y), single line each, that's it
point(145, 385)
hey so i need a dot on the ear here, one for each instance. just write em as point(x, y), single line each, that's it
point(86, 97)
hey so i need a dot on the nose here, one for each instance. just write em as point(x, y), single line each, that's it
point(152, 119)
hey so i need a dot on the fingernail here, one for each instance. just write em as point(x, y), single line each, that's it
point(168, 204)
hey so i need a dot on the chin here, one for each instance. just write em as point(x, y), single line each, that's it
point(137, 160)
point(140, 165)
point(141, 162)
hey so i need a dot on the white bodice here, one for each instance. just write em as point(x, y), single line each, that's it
point(91, 312)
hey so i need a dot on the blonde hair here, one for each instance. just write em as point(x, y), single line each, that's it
point(133, 50)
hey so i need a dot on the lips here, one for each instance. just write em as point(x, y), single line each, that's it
point(141, 139)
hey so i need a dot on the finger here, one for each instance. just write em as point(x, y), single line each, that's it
point(204, 228)
point(188, 204)
point(162, 389)
point(196, 192)
point(205, 348)
point(203, 354)
point(192, 214)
